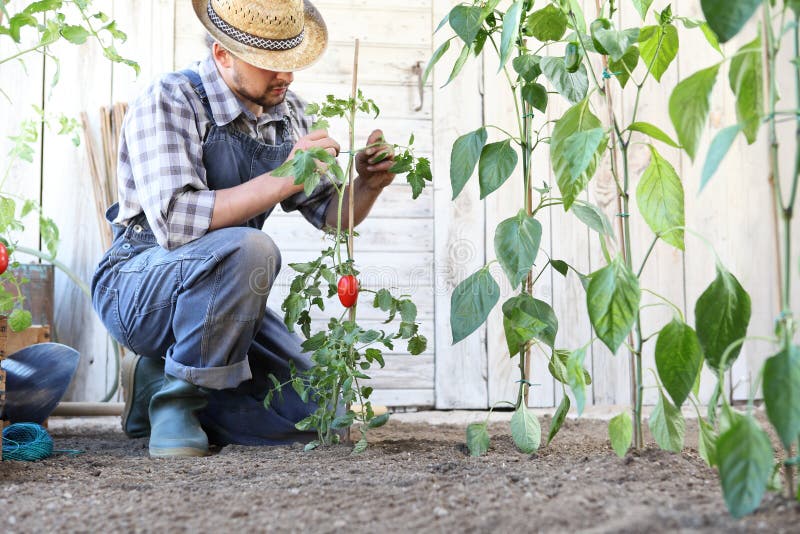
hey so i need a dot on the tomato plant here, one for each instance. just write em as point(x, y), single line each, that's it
point(344, 352)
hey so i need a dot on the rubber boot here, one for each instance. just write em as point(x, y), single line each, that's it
point(175, 429)
point(141, 379)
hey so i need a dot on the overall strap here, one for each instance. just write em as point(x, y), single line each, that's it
point(197, 85)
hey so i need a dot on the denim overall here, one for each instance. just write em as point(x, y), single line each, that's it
point(202, 306)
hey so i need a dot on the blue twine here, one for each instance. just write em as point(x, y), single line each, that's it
point(26, 442)
point(607, 75)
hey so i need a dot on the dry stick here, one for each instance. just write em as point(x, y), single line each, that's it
point(98, 185)
point(350, 192)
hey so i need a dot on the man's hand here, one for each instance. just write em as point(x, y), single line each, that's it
point(318, 138)
point(373, 164)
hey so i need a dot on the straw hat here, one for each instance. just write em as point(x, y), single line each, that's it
point(277, 35)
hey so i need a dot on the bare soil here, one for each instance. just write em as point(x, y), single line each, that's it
point(414, 477)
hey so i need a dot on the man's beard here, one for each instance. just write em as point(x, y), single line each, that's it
point(265, 99)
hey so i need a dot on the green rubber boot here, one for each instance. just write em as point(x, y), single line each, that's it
point(175, 428)
point(141, 379)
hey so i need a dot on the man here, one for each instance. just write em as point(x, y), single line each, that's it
point(188, 274)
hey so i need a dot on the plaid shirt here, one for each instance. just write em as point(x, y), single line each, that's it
point(160, 169)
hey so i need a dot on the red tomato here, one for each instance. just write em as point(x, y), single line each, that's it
point(3, 258)
point(348, 290)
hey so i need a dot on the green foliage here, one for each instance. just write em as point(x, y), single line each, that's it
point(659, 47)
point(659, 197)
point(667, 424)
point(526, 318)
point(525, 430)
point(744, 455)
point(747, 84)
point(498, 161)
point(592, 217)
point(511, 22)
point(546, 24)
point(781, 388)
point(471, 302)
point(463, 158)
point(722, 314)
point(716, 153)
point(477, 439)
point(678, 359)
point(689, 105)
point(726, 18)
point(558, 418)
point(654, 132)
point(620, 432)
point(625, 66)
point(576, 377)
point(516, 244)
point(612, 299)
point(571, 85)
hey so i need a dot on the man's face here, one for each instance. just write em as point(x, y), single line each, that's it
point(263, 87)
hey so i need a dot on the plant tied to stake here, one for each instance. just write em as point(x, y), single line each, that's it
point(344, 352)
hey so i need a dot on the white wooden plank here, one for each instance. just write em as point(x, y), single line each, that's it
point(377, 24)
point(421, 398)
point(398, 235)
point(85, 85)
point(460, 369)
point(402, 372)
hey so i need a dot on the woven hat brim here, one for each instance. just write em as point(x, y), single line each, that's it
point(315, 41)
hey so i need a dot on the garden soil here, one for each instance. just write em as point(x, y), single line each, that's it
point(414, 477)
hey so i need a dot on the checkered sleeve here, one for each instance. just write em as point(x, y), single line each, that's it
point(313, 207)
point(164, 149)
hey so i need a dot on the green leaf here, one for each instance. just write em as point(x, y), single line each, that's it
point(745, 457)
point(642, 6)
point(689, 105)
point(471, 302)
point(547, 24)
point(417, 344)
point(525, 430)
point(558, 367)
point(654, 132)
point(466, 21)
point(726, 18)
point(660, 57)
point(707, 443)
point(459, 64)
point(360, 446)
point(75, 34)
point(465, 155)
point(722, 314)
point(526, 318)
point(561, 266)
point(576, 378)
point(558, 418)
point(717, 151)
point(527, 66)
point(667, 424)
point(612, 299)
point(623, 68)
point(592, 217)
point(571, 85)
point(344, 421)
point(620, 431)
point(497, 163)
point(378, 421)
point(516, 244)
point(437, 55)
point(577, 118)
point(782, 393)
point(19, 320)
point(477, 439)
point(510, 31)
point(580, 149)
point(678, 359)
point(794, 5)
point(747, 84)
point(615, 42)
point(535, 94)
point(659, 197)
point(311, 445)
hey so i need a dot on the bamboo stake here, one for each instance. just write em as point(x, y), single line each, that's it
point(98, 182)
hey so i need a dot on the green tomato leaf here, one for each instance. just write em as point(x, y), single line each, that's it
point(747, 84)
point(577, 118)
point(612, 299)
point(659, 46)
point(667, 424)
point(471, 302)
point(623, 68)
point(378, 421)
point(360, 446)
point(782, 393)
point(571, 85)
point(510, 31)
point(726, 18)
point(620, 432)
point(75, 34)
point(678, 359)
point(717, 151)
point(516, 244)
point(659, 197)
point(477, 439)
point(654, 132)
point(689, 106)
point(19, 320)
point(526, 318)
point(465, 155)
point(745, 458)
point(497, 163)
point(722, 314)
point(558, 418)
point(547, 24)
point(525, 430)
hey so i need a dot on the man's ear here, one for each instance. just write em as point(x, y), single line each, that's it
point(222, 56)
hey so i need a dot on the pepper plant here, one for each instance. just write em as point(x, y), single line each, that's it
point(735, 442)
point(344, 352)
point(32, 29)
